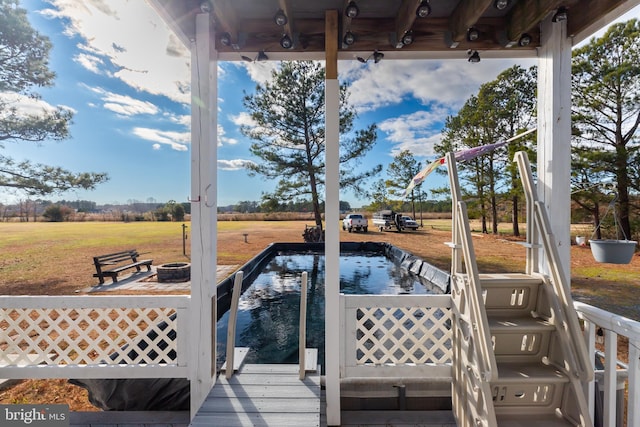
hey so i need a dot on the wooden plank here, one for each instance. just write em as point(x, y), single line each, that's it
point(258, 391)
point(239, 354)
point(270, 369)
point(263, 405)
point(258, 379)
point(257, 420)
point(262, 395)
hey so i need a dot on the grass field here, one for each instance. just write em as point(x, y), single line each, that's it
point(56, 259)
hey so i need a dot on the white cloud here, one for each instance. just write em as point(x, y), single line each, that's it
point(436, 82)
point(131, 41)
point(232, 165)
point(417, 132)
point(156, 146)
point(27, 106)
point(124, 105)
point(178, 141)
point(90, 62)
point(222, 139)
point(242, 119)
point(259, 72)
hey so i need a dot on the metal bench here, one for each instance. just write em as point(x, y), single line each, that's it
point(117, 262)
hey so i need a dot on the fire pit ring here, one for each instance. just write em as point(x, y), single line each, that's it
point(174, 272)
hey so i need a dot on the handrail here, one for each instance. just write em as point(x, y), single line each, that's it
point(233, 318)
point(302, 346)
point(542, 228)
point(614, 324)
point(462, 240)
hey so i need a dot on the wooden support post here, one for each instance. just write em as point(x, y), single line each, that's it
point(332, 217)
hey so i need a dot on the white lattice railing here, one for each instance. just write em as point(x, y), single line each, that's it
point(93, 337)
point(395, 336)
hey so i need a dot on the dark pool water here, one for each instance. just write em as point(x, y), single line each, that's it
point(268, 314)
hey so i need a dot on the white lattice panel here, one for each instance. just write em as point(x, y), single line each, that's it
point(75, 336)
point(399, 332)
point(403, 335)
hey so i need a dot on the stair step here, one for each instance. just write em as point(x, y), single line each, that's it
point(522, 337)
point(509, 292)
point(529, 372)
point(525, 387)
point(502, 279)
point(528, 419)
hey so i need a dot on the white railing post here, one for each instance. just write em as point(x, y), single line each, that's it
point(231, 326)
point(633, 401)
point(610, 378)
point(302, 345)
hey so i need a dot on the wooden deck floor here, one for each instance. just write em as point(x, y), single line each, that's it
point(263, 395)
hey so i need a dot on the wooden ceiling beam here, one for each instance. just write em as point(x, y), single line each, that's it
point(289, 27)
point(226, 21)
point(346, 24)
point(527, 14)
point(405, 18)
point(465, 16)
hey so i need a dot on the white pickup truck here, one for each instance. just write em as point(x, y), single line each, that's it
point(355, 222)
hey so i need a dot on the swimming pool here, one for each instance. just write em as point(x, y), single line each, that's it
point(270, 303)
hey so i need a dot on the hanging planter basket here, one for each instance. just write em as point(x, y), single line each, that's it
point(613, 251)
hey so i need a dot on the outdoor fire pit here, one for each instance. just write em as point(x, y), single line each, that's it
point(174, 272)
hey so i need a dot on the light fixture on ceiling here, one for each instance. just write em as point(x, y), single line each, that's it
point(424, 9)
point(407, 39)
point(351, 11)
point(286, 42)
point(225, 39)
point(349, 38)
point(261, 56)
point(474, 56)
point(280, 18)
point(525, 40)
point(501, 4)
point(560, 15)
point(205, 6)
point(473, 34)
point(377, 57)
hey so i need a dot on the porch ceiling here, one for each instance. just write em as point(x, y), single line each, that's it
point(380, 25)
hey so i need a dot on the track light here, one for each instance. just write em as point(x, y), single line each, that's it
point(286, 42)
point(560, 15)
point(225, 39)
point(377, 57)
point(501, 4)
point(352, 10)
point(473, 34)
point(407, 39)
point(474, 56)
point(205, 6)
point(261, 56)
point(424, 9)
point(525, 40)
point(280, 18)
point(349, 38)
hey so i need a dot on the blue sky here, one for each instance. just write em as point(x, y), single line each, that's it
point(126, 77)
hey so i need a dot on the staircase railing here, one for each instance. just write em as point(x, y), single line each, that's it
point(538, 226)
point(474, 363)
